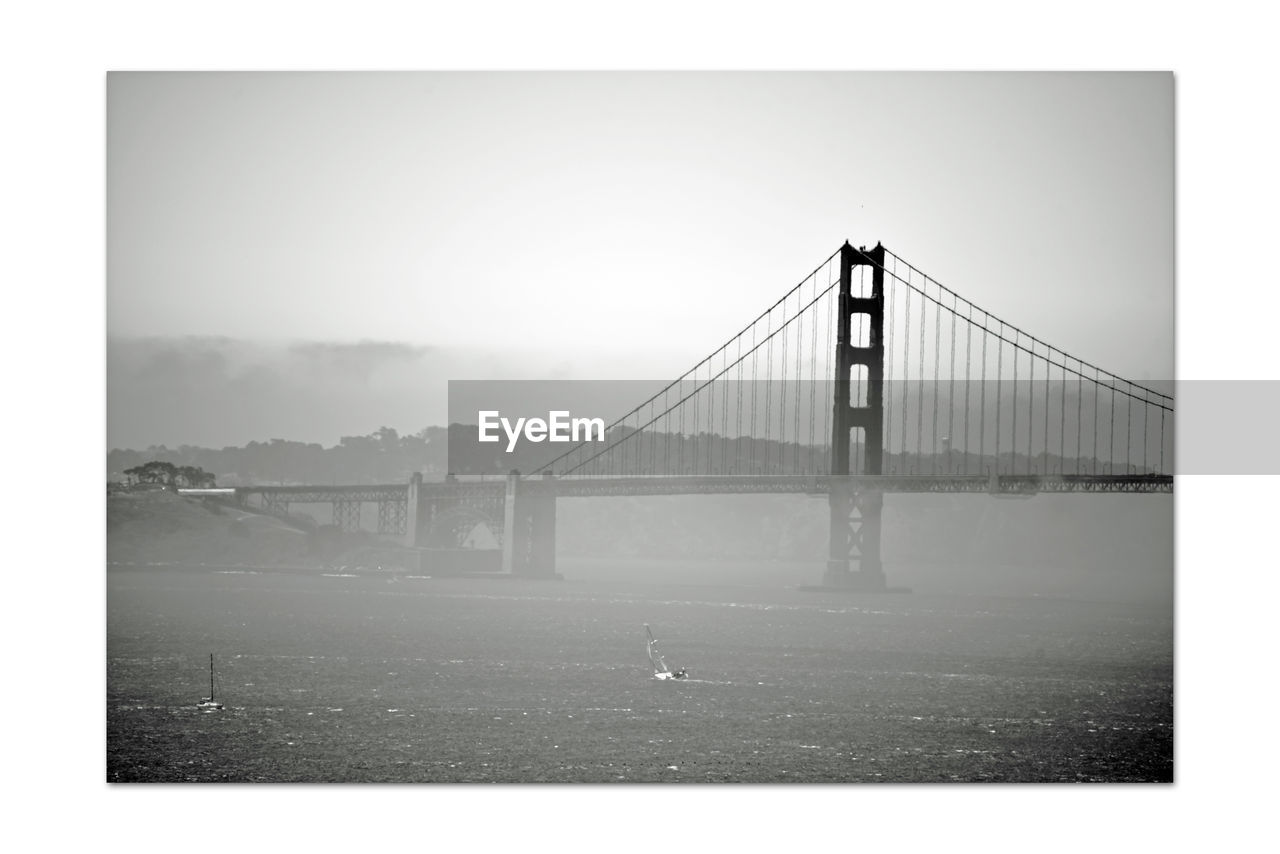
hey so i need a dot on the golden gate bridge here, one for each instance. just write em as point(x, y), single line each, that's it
point(868, 377)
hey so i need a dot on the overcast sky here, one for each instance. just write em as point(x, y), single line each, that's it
point(485, 225)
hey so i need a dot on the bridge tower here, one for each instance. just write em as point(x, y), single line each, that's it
point(855, 512)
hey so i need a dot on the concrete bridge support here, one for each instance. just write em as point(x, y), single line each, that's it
point(854, 559)
point(529, 530)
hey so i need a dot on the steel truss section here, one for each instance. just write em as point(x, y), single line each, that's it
point(276, 504)
point(326, 494)
point(393, 516)
point(346, 514)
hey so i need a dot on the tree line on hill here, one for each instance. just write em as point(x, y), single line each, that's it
point(386, 456)
point(169, 475)
point(383, 456)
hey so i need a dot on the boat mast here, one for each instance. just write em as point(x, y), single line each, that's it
point(210, 677)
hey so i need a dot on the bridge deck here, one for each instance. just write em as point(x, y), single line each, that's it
point(319, 494)
point(576, 487)
point(716, 485)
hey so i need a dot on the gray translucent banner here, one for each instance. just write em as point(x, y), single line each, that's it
point(1039, 427)
point(1228, 427)
point(730, 428)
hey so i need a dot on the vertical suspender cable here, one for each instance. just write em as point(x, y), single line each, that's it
point(795, 465)
point(668, 435)
point(813, 371)
point(1111, 432)
point(693, 434)
point(724, 415)
point(711, 402)
point(680, 439)
point(737, 433)
point(887, 399)
point(751, 440)
point(1013, 427)
point(968, 359)
point(711, 416)
point(637, 440)
point(768, 392)
point(782, 389)
point(1079, 413)
point(1031, 404)
point(1162, 441)
point(1047, 363)
point(829, 373)
point(951, 388)
point(937, 355)
point(906, 366)
point(982, 408)
point(653, 442)
point(1146, 426)
point(711, 411)
point(924, 315)
point(1128, 432)
point(1062, 433)
point(1097, 384)
point(999, 379)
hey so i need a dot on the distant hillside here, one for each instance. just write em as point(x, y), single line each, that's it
point(158, 526)
point(385, 456)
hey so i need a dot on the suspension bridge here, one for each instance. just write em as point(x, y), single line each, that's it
point(868, 377)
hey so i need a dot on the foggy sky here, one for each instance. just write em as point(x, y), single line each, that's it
point(591, 225)
point(218, 391)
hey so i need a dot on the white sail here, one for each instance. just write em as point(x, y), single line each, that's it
point(209, 702)
point(660, 669)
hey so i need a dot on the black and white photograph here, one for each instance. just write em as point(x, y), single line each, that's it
point(640, 427)
point(698, 426)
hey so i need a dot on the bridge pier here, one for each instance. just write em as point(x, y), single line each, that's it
point(529, 528)
point(855, 539)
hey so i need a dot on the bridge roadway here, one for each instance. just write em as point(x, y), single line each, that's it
point(585, 486)
point(573, 487)
point(323, 494)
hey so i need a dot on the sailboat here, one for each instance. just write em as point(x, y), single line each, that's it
point(209, 702)
point(660, 669)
